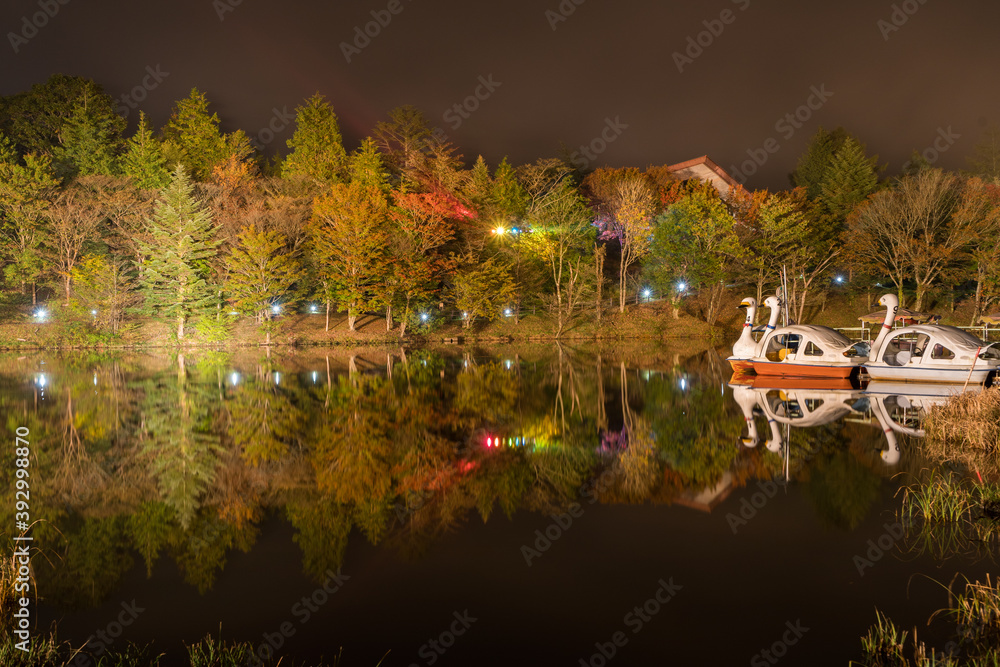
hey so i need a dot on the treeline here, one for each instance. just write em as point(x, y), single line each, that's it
point(190, 223)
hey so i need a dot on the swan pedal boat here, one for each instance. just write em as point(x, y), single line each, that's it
point(929, 353)
point(805, 350)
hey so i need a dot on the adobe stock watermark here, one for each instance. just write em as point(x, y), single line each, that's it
point(30, 25)
point(779, 649)
point(99, 642)
point(945, 139)
point(635, 620)
point(714, 28)
point(786, 126)
point(437, 647)
point(879, 547)
point(461, 111)
point(544, 539)
point(223, 7)
point(279, 122)
point(364, 34)
point(901, 13)
point(583, 157)
point(562, 12)
point(301, 610)
point(130, 100)
point(750, 506)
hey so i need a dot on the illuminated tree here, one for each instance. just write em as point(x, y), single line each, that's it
point(484, 290)
point(143, 160)
point(195, 134)
point(261, 272)
point(562, 235)
point(318, 155)
point(103, 284)
point(25, 190)
point(349, 236)
point(175, 266)
point(695, 239)
point(73, 222)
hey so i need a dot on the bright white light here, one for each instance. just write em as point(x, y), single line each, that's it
point(839, 279)
point(95, 379)
point(41, 314)
point(94, 313)
point(41, 380)
point(499, 230)
point(681, 286)
point(507, 363)
point(507, 312)
point(423, 317)
point(276, 309)
point(277, 377)
point(312, 308)
point(646, 293)
point(315, 375)
point(465, 315)
point(684, 384)
point(234, 379)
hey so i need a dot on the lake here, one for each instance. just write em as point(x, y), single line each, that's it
point(568, 504)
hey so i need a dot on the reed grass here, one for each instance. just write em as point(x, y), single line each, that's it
point(976, 615)
point(884, 644)
point(942, 498)
point(966, 430)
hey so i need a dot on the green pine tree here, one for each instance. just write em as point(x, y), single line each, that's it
point(366, 167)
point(195, 135)
point(318, 154)
point(849, 179)
point(812, 166)
point(143, 160)
point(90, 144)
point(261, 271)
point(173, 275)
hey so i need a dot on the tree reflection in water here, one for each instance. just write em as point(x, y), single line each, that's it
point(183, 457)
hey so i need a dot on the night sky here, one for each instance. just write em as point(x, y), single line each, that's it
point(901, 76)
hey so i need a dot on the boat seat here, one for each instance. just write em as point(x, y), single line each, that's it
point(903, 357)
point(782, 353)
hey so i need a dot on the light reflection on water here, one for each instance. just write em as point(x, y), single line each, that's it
point(194, 461)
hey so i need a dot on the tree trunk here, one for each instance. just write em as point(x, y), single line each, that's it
point(621, 284)
point(327, 315)
point(180, 327)
point(388, 318)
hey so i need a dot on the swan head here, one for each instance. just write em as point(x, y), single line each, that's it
point(772, 302)
point(891, 456)
point(889, 301)
point(748, 302)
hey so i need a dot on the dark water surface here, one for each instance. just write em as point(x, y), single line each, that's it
point(619, 513)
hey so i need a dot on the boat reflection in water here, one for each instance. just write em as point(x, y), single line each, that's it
point(901, 407)
point(897, 407)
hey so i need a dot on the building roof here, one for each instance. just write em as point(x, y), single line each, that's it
point(705, 169)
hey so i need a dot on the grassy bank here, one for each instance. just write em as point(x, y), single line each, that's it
point(649, 321)
point(646, 321)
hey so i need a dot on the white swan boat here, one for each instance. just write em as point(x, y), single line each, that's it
point(745, 346)
point(808, 351)
point(900, 407)
point(929, 352)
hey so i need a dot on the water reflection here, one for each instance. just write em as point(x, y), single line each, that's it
point(184, 457)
